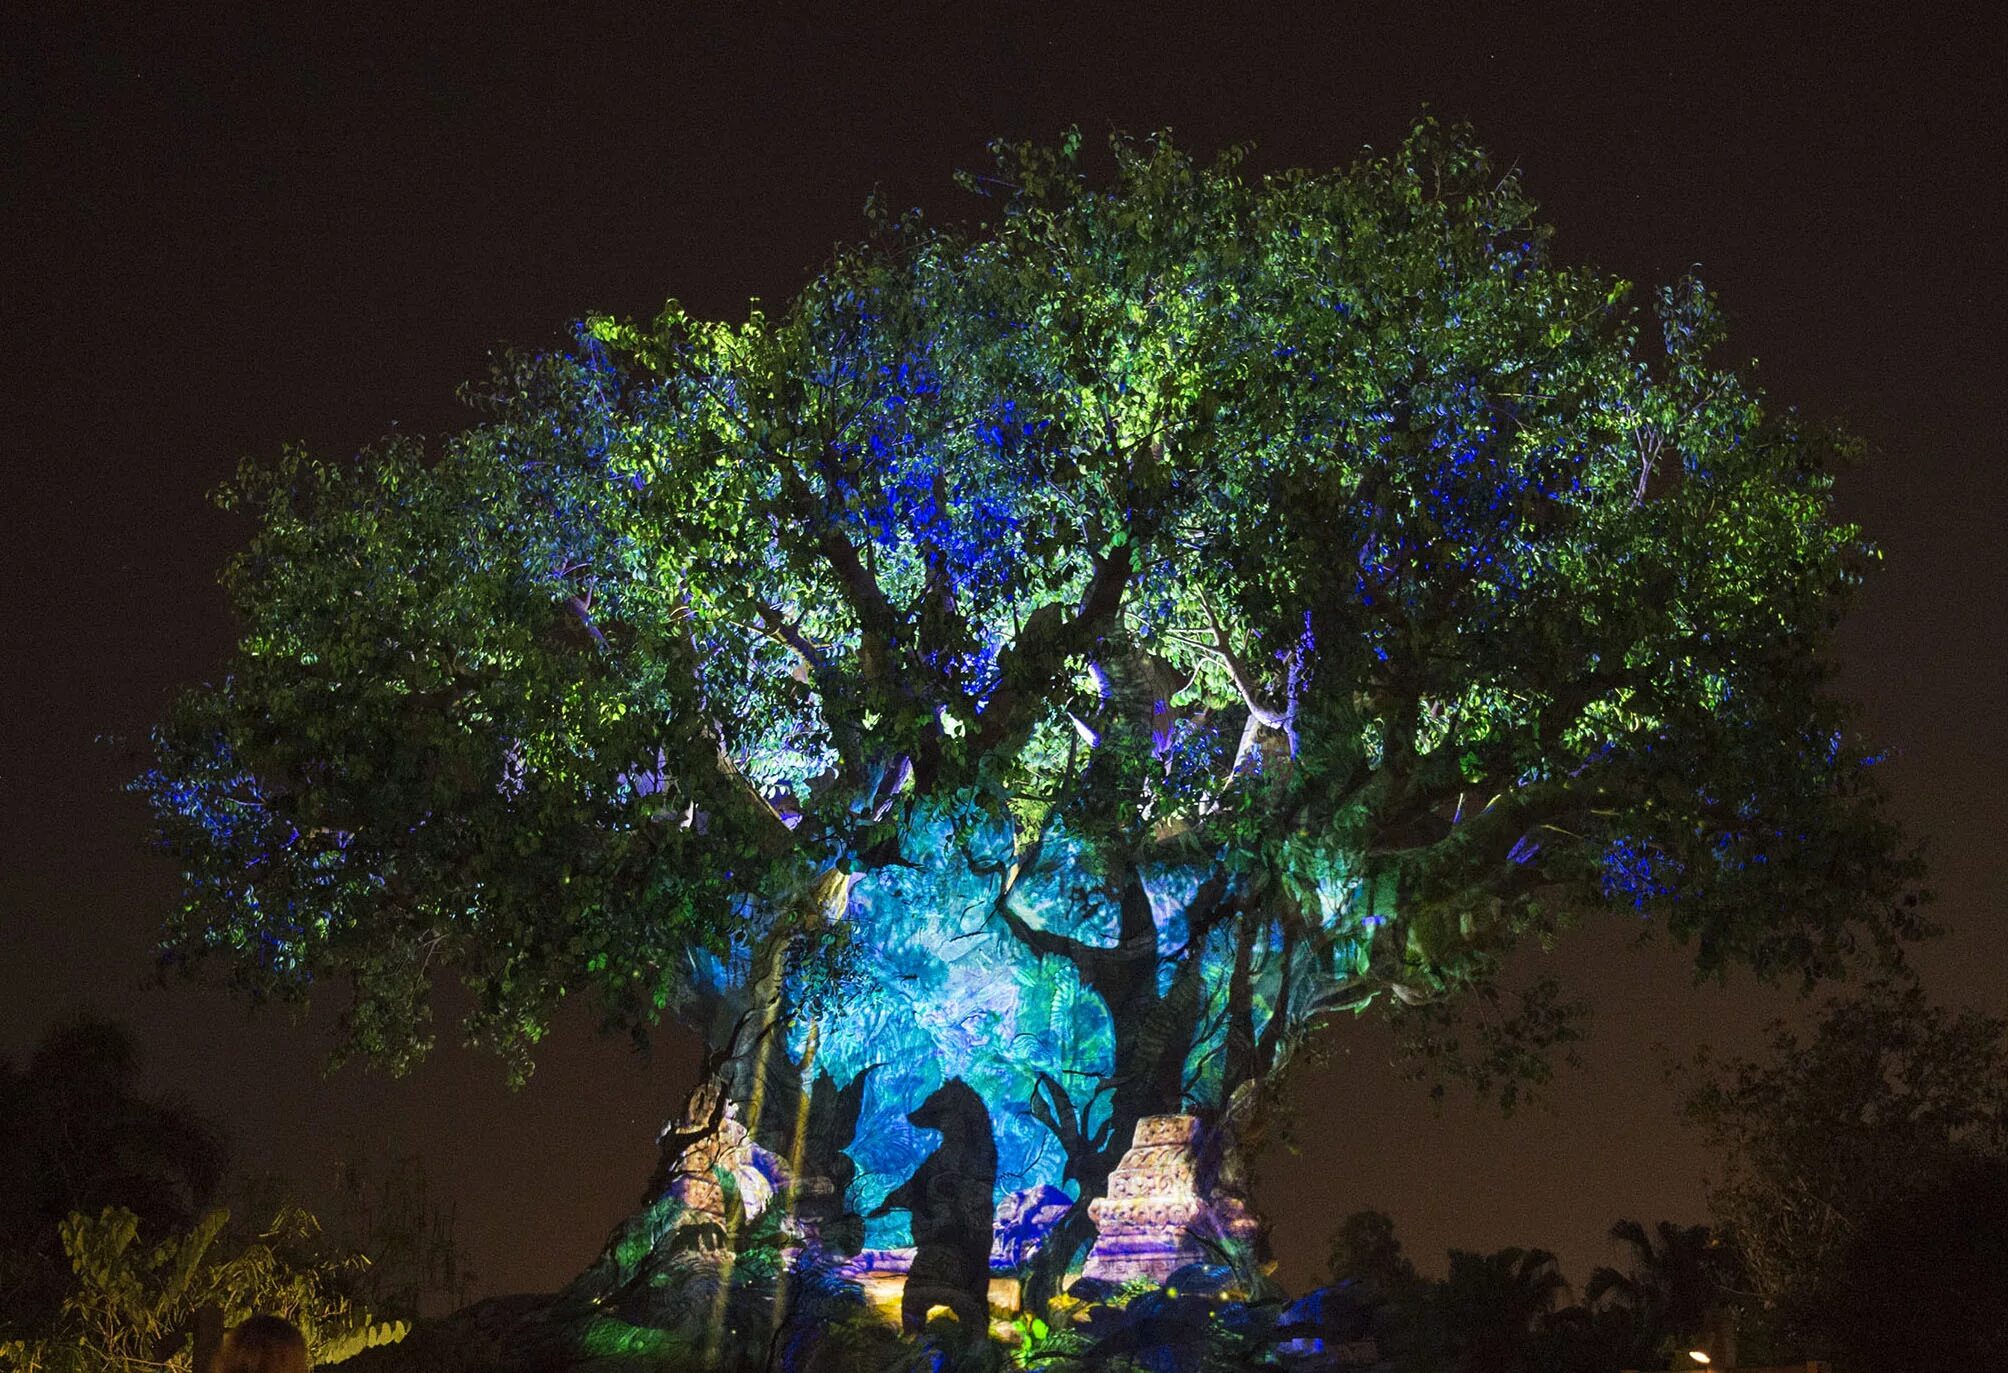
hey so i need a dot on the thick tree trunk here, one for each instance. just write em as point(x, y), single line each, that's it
point(1153, 1034)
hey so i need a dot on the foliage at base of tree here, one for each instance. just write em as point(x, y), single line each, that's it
point(1862, 1217)
point(134, 1303)
point(77, 1134)
point(1501, 1312)
point(387, 1211)
point(110, 1245)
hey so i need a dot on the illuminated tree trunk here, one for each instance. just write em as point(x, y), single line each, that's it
point(1153, 1034)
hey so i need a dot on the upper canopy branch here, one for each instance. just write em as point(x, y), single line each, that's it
point(1244, 681)
point(1031, 666)
point(861, 592)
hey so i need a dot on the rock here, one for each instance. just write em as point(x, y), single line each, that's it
point(1147, 1226)
point(1343, 1311)
point(1024, 1219)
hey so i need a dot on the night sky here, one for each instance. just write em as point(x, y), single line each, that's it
point(222, 236)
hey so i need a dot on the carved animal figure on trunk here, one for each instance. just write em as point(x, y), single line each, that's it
point(952, 1199)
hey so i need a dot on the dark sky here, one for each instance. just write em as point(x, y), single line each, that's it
point(223, 235)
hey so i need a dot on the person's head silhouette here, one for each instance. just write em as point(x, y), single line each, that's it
point(263, 1344)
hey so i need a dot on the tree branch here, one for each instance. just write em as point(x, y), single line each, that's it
point(1031, 666)
point(1244, 681)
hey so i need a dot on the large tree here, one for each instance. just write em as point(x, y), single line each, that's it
point(1076, 652)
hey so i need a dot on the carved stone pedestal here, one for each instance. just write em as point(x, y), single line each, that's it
point(1146, 1224)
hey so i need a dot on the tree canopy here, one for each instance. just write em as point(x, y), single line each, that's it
point(1210, 601)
